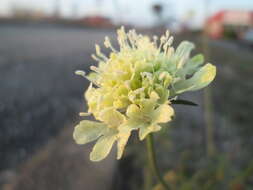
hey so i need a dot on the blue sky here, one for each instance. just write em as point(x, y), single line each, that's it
point(134, 11)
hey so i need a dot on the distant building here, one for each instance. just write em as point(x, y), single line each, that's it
point(28, 14)
point(97, 21)
point(229, 22)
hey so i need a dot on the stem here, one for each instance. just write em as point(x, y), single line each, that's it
point(208, 115)
point(208, 108)
point(153, 162)
point(148, 181)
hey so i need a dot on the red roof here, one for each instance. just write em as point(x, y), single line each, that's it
point(218, 16)
point(97, 20)
point(238, 14)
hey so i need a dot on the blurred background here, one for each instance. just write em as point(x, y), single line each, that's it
point(42, 43)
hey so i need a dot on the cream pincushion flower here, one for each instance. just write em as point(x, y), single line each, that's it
point(132, 88)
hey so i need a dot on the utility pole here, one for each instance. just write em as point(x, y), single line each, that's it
point(74, 10)
point(208, 104)
point(57, 7)
point(116, 9)
point(98, 7)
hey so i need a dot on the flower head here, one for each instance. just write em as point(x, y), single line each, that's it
point(132, 88)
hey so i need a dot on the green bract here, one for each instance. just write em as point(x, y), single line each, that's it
point(131, 89)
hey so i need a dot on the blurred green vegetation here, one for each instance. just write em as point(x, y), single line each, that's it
point(216, 173)
point(181, 148)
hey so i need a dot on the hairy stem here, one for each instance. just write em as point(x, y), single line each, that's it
point(153, 162)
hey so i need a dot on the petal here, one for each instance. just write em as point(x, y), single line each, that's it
point(184, 49)
point(87, 131)
point(133, 111)
point(138, 116)
point(111, 117)
point(92, 95)
point(147, 105)
point(162, 92)
point(163, 114)
point(93, 77)
point(191, 66)
point(89, 92)
point(103, 146)
point(153, 95)
point(144, 131)
point(183, 52)
point(125, 132)
point(133, 94)
point(123, 137)
point(132, 124)
point(200, 79)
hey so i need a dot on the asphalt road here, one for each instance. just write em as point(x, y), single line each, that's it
point(40, 96)
point(39, 93)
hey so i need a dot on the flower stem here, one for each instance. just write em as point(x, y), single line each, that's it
point(153, 162)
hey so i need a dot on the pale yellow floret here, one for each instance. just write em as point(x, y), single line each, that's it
point(133, 86)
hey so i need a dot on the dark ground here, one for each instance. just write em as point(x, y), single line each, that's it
point(40, 99)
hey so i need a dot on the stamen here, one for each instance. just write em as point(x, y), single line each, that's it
point(96, 58)
point(122, 38)
point(148, 75)
point(170, 51)
point(170, 40)
point(108, 44)
point(132, 36)
point(162, 41)
point(84, 114)
point(99, 53)
point(167, 45)
point(93, 68)
point(155, 38)
point(167, 33)
point(80, 73)
point(162, 75)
